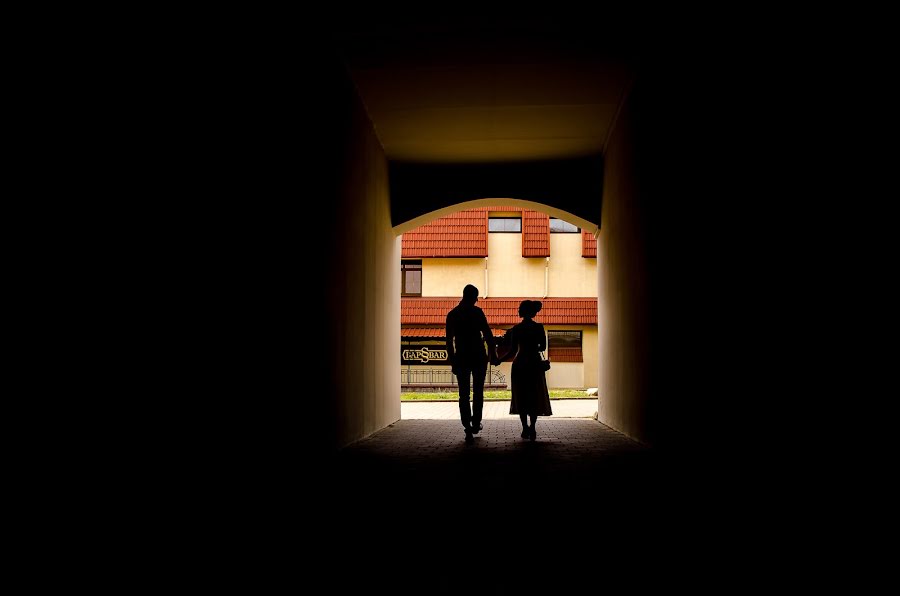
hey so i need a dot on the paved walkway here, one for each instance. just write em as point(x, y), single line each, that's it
point(417, 458)
point(430, 514)
point(494, 410)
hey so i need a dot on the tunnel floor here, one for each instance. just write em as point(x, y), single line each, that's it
point(415, 462)
point(414, 498)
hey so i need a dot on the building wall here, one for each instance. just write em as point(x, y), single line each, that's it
point(587, 369)
point(363, 292)
point(566, 375)
point(589, 347)
point(510, 275)
point(571, 275)
point(562, 375)
point(448, 277)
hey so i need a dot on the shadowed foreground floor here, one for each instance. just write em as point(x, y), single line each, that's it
point(428, 500)
point(566, 452)
point(415, 501)
point(417, 463)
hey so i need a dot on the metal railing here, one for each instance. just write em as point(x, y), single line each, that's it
point(444, 376)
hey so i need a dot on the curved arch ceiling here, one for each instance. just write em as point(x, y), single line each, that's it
point(494, 91)
point(469, 108)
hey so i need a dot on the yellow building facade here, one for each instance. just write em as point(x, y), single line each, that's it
point(509, 255)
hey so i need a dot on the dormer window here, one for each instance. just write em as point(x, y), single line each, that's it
point(558, 226)
point(505, 224)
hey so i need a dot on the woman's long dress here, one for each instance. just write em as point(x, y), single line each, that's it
point(529, 382)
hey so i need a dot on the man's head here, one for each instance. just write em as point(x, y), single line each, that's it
point(470, 294)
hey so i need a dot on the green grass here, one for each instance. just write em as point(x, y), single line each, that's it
point(503, 395)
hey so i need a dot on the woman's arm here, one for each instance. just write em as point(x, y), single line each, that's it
point(542, 344)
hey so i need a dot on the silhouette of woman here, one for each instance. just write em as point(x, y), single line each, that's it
point(530, 397)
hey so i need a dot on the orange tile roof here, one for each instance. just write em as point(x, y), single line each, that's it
point(588, 245)
point(464, 234)
point(535, 234)
point(565, 355)
point(500, 311)
point(423, 332)
point(510, 209)
point(461, 234)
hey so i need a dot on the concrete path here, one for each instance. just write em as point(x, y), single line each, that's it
point(494, 410)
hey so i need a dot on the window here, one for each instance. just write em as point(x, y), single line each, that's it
point(504, 224)
point(564, 346)
point(558, 226)
point(411, 278)
point(564, 339)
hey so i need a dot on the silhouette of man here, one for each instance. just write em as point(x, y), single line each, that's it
point(467, 333)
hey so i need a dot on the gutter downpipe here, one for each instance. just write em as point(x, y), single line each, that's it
point(547, 278)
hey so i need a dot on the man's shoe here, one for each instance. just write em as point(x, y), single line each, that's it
point(469, 438)
point(476, 428)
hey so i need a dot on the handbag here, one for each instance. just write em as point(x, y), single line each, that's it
point(545, 363)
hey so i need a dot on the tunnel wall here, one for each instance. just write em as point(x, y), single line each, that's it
point(676, 264)
point(623, 300)
point(363, 291)
point(313, 269)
